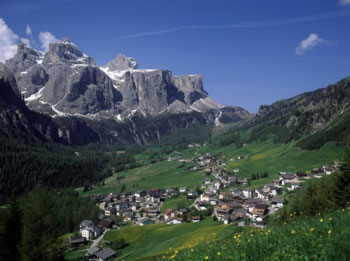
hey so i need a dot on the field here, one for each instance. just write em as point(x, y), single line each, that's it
point(160, 239)
point(162, 175)
point(318, 238)
point(263, 156)
point(174, 203)
point(273, 158)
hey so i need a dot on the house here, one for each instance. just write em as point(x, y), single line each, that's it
point(221, 212)
point(145, 221)
point(260, 209)
point(192, 194)
point(106, 254)
point(243, 182)
point(140, 193)
point(183, 189)
point(88, 230)
point(76, 242)
point(92, 251)
point(259, 193)
point(236, 170)
point(301, 174)
point(294, 186)
point(171, 192)
point(106, 223)
point(110, 211)
point(207, 181)
point(196, 219)
point(169, 213)
point(285, 178)
point(173, 221)
point(277, 202)
point(248, 192)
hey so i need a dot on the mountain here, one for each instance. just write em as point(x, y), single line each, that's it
point(312, 118)
point(17, 121)
point(67, 84)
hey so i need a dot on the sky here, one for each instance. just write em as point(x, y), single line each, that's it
point(249, 52)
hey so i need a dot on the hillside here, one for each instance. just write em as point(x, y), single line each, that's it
point(312, 118)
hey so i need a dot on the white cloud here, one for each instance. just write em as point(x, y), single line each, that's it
point(344, 2)
point(46, 38)
point(28, 30)
point(8, 42)
point(310, 42)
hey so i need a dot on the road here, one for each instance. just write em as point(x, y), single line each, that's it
point(97, 240)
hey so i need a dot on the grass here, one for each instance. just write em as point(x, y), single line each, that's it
point(263, 156)
point(162, 175)
point(77, 253)
point(173, 203)
point(319, 238)
point(160, 239)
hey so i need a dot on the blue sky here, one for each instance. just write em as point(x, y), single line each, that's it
point(249, 52)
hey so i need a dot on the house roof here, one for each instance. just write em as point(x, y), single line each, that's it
point(93, 250)
point(105, 253)
point(277, 200)
point(168, 211)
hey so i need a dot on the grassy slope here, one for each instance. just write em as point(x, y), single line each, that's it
point(264, 156)
point(318, 238)
point(145, 241)
point(162, 174)
point(173, 203)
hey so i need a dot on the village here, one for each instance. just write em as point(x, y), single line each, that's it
point(223, 195)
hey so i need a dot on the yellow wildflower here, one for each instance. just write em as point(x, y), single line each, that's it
point(206, 258)
point(192, 250)
point(312, 229)
point(329, 232)
point(218, 253)
point(321, 220)
point(293, 232)
point(330, 219)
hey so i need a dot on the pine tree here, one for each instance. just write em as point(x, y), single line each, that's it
point(343, 181)
point(40, 234)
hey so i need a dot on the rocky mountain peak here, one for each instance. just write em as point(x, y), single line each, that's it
point(67, 52)
point(122, 63)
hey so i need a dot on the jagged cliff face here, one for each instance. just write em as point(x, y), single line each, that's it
point(65, 82)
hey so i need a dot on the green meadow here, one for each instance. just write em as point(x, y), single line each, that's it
point(161, 239)
point(318, 238)
point(262, 156)
point(162, 175)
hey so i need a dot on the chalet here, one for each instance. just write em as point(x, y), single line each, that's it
point(248, 192)
point(221, 212)
point(259, 193)
point(88, 230)
point(169, 213)
point(173, 221)
point(294, 185)
point(171, 192)
point(76, 242)
point(285, 178)
point(183, 189)
point(213, 200)
point(301, 174)
point(207, 181)
point(277, 202)
point(196, 219)
point(106, 223)
point(105, 254)
point(110, 211)
point(260, 209)
point(92, 251)
point(140, 193)
point(202, 206)
point(145, 222)
point(192, 194)
point(243, 182)
point(135, 206)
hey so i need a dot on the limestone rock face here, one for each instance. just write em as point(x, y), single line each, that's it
point(121, 63)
